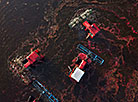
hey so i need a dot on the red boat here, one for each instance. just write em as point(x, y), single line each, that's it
point(92, 29)
point(79, 64)
point(32, 58)
point(20, 64)
point(33, 99)
point(81, 19)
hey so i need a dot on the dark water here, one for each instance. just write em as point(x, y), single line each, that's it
point(44, 23)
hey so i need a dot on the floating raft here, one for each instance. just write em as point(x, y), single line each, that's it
point(17, 69)
point(80, 18)
point(91, 54)
point(44, 91)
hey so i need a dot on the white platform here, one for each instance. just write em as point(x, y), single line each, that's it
point(77, 74)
